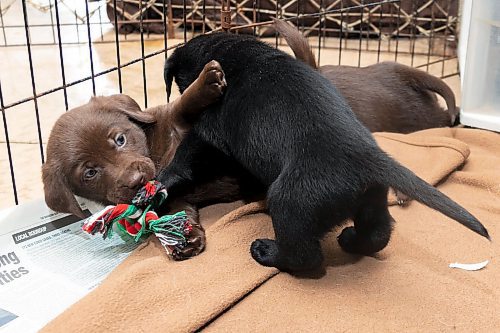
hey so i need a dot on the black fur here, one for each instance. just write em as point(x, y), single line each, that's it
point(290, 128)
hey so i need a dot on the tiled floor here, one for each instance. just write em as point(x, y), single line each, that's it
point(21, 120)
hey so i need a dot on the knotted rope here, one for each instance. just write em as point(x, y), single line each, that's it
point(139, 219)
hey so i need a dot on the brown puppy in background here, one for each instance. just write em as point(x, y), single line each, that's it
point(386, 97)
point(108, 148)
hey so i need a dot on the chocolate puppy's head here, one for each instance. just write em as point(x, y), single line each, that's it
point(98, 151)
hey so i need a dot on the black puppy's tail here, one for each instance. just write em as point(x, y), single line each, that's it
point(421, 80)
point(297, 42)
point(410, 184)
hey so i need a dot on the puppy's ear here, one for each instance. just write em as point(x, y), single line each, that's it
point(184, 68)
point(129, 106)
point(58, 195)
point(168, 74)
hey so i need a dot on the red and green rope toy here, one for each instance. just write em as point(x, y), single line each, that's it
point(138, 219)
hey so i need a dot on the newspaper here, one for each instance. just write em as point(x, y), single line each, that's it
point(48, 263)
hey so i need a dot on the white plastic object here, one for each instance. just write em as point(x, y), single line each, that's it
point(470, 267)
point(481, 77)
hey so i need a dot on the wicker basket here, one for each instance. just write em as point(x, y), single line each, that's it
point(348, 17)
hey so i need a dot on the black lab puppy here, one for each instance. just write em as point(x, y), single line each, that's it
point(290, 128)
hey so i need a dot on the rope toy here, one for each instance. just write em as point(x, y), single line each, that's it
point(138, 219)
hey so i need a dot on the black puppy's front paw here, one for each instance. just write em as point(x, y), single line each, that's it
point(265, 252)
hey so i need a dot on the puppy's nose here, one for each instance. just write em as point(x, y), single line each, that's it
point(137, 180)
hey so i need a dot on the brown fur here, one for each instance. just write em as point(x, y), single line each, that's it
point(386, 97)
point(86, 138)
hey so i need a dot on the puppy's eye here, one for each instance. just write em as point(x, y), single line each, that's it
point(89, 174)
point(120, 140)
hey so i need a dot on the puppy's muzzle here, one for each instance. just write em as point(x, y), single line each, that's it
point(129, 180)
point(136, 174)
point(136, 180)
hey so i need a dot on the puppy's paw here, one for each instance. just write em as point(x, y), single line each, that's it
point(348, 240)
point(352, 242)
point(265, 252)
point(401, 198)
point(214, 79)
point(196, 242)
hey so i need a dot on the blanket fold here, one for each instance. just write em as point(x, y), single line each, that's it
point(408, 286)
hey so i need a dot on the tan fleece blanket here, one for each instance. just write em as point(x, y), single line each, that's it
point(406, 287)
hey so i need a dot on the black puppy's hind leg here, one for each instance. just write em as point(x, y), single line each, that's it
point(296, 247)
point(372, 224)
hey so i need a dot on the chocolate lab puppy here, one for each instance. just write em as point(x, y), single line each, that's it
point(386, 97)
point(289, 127)
point(108, 148)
